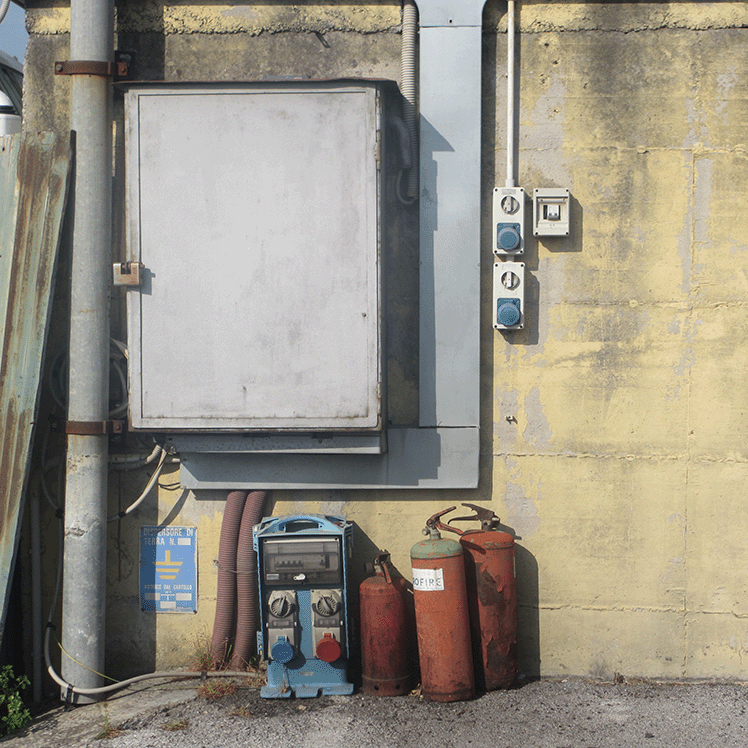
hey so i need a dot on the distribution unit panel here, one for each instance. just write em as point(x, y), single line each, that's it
point(551, 211)
point(509, 220)
point(508, 295)
point(254, 219)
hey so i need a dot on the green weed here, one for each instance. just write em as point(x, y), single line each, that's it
point(178, 724)
point(109, 731)
point(216, 689)
point(14, 715)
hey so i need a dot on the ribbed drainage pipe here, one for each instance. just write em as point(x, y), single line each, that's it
point(247, 590)
point(226, 591)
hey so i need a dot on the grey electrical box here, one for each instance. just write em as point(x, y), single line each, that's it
point(508, 295)
point(509, 220)
point(254, 212)
point(550, 210)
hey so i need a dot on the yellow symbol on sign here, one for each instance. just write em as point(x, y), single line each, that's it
point(168, 569)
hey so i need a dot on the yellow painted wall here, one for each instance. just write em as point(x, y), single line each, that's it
point(613, 426)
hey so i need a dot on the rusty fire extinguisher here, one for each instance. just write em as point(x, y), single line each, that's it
point(442, 617)
point(385, 631)
point(492, 598)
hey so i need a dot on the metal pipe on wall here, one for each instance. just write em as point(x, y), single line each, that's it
point(84, 589)
point(408, 63)
point(510, 131)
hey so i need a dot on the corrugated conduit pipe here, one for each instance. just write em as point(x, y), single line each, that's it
point(236, 601)
point(247, 590)
point(408, 76)
point(226, 592)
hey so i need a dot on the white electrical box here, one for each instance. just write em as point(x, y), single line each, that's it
point(509, 295)
point(509, 220)
point(253, 215)
point(550, 211)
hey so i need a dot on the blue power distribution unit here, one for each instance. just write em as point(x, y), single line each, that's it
point(303, 574)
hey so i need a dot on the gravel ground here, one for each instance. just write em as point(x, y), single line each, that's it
point(541, 714)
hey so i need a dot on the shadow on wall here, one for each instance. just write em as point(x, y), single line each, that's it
point(528, 616)
point(365, 551)
point(130, 630)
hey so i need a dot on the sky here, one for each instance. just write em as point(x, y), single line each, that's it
point(13, 34)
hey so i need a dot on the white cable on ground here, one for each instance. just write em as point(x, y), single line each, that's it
point(130, 681)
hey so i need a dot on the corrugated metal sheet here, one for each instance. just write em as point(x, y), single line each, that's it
point(34, 177)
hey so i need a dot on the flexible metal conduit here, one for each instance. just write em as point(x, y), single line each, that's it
point(408, 76)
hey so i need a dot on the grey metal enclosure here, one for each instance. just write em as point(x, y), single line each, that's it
point(255, 212)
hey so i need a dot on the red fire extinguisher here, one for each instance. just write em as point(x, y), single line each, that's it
point(385, 631)
point(442, 618)
point(492, 597)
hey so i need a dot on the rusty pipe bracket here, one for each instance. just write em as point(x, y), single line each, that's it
point(94, 428)
point(488, 520)
point(434, 522)
point(105, 69)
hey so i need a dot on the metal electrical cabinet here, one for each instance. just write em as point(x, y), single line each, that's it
point(303, 578)
point(254, 221)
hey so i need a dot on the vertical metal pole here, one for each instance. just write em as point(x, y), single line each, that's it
point(84, 588)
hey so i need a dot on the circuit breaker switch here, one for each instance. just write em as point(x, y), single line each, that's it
point(550, 211)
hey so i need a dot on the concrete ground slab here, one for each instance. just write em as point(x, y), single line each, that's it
point(541, 714)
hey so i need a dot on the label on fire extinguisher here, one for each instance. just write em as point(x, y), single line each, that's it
point(428, 580)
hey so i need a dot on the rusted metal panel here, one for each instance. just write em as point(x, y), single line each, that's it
point(34, 177)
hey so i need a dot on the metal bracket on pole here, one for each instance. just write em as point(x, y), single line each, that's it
point(94, 428)
point(117, 69)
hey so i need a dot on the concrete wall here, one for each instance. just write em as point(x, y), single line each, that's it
point(612, 426)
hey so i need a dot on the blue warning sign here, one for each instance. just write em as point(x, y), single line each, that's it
point(168, 569)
